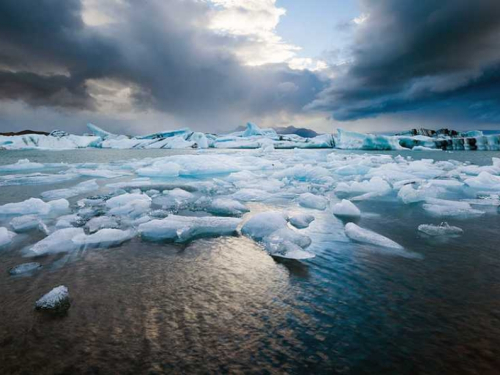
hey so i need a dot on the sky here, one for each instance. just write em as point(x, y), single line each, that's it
point(136, 67)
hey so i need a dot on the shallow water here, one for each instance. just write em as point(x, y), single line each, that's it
point(223, 305)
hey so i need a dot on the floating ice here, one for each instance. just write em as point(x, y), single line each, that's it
point(81, 188)
point(34, 206)
point(484, 181)
point(6, 236)
point(160, 169)
point(184, 228)
point(444, 229)
point(263, 224)
point(447, 208)
point(25, 268)
point(21, 165)
point(35, 179)
point(227, 207)
point(56, 300)
point(313, 201)
point(251, 195)
point(59, 241)
point(359, 234)
point(101, 222)
point(374, 185)
point(346, 208)
point(103, 238)
point(132, 205)
point(25, 223)
point(301, 221)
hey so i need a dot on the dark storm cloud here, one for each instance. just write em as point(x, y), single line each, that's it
point(161, 49)
point(421, 54)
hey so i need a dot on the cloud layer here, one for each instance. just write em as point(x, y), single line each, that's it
point(408, 55)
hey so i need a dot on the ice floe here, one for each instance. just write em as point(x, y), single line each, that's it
point(56, 300)
point(6, 236)
point(444, 229)
point(358, 234)
point(346, 209)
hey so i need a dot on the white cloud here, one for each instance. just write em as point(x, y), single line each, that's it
point(256, 21)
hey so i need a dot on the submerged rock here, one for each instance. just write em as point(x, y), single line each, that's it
point(57, 300)
point(25, 268)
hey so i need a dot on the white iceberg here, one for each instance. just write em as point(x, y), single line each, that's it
point(103, 238)
point(34, 206)
point(301, 221)
point(81, 188)
point(6, 236)
point(444, 229)
point(313, 201)
point(25, 268)
point(59, 241)
point(362, 235)
point(346, 209)
point(263, 224)
point(227, 207)
point(184, 228)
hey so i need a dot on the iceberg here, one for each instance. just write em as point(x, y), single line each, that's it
point(21, 165)
point(346, 209)
point(103, 238)
point(59, 241)
point(185, 228)
point(81, 188)
point(34, 206)
point(362, 235)
point(101, 222)
point(227, 207)
point(25, 223)
point(444, 229)
point(6, 236)
point(301, 221)
point(313, 201)
point(263, 224)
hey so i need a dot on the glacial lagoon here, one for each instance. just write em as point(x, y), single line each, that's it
point(203, 300)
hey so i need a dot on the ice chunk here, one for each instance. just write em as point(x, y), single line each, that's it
point(272, 241)
point(228, 207)
point(21, 165)
point(35, 179)
point(444, 229)
point(67, 221)
point(59, 241)
point(289, 250)
point(81, 188)
point(251, 195)
point(160, 169)
point(101, 222)
point(484, 181)
point(301, 220)
point(34, 206)
point(253, 130)
point(25, 268)
point(349, 140)
point(100, 132)
point(263, 224)
point(56, 300)
point(346, 208)
point(103, 238)
point(362, 235)
point(25, 223)
point(313, 201)
point(6, 236)
point(133, 205)
point(410, 195)
point(443, 208)
point(374, 185)
point(167, 134)
point(100, 173)
point(184, 228)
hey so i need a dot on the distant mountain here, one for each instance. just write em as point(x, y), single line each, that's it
point(23, 132)
point(302, 132)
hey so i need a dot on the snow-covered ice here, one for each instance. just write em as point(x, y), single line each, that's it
point(313, 201)
point(444, 229)
point(57, 300)
point(263, 224)
point(103, 238)
point(346, 209)
point(358, 234)
point(35, 206)
point(301, 221)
